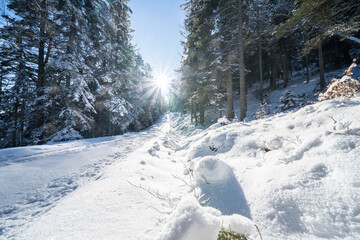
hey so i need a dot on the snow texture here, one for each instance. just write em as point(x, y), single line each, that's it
point(192, 221)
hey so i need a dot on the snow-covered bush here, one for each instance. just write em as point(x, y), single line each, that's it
point(343, 88)
point(224, 121)
point(288, 101)
point(190, 220)
point(263, 110)
point(230, 235)
point(278, 142)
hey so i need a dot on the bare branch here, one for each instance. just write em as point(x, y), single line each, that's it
point(177, 177)
point(156, 194)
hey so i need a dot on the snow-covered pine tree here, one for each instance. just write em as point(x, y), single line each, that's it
point(199, 56)
point(81, 75)
point(18, 72)
point(70, 105)
point(288, 101)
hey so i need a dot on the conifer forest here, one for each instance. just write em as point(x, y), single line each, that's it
point(69, 71)
point(232, 44)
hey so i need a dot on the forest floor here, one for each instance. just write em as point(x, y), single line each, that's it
point(294, 175)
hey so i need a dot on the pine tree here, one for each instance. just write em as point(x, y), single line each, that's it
point(68, 71)
point(17, 75)
point(321, 20)
point(199, 55)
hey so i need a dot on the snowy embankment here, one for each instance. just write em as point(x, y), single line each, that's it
point(295, 175)
point(298, 171)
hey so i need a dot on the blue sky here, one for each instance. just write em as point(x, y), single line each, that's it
point(157, 25)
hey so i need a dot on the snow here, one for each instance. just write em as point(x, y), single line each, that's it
point(298, 174)
point(192, 221)
point(355, 39)
point(294, 174)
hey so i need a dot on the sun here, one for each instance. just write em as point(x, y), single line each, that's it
point(162, 81)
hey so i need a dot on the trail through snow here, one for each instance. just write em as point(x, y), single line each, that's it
point(94, 176)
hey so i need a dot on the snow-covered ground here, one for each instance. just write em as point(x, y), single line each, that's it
point(39, 182)
point(295, 175)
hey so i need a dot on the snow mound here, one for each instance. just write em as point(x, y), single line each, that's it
point(220, 142)
point(210, 170)
point(68, 133)
point(224, 121)
point(192, 221)
point(239, 224)
point(219, 184)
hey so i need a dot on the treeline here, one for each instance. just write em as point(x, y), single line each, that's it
point(69, 71)
point(231, 44)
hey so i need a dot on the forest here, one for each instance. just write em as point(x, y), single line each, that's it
point(231, 45)
point(69, 71)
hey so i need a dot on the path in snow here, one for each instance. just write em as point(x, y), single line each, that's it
point(33, 180)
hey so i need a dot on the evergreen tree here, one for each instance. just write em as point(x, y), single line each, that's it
point(68, 71)
point(321, 20)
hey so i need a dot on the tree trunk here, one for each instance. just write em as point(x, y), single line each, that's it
point(192, 111)
point(22, 121)
point(18, 83)
point(284, 61)
point(16, 107)
point(40, 116)
point(1, 81)
point(229, 90)
point(261, 73)
point(219, 84)
point(321, 67)
point(273, 70)
point(241, 65)
point(307, 68)
point(70, 46)
point(41, 60)
point(286, 77)
point(260, 55)
point(195, 115)
point(220, 106)
point(202, 110)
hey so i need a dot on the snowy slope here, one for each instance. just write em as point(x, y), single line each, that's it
point(299, 175)
point(294, 175)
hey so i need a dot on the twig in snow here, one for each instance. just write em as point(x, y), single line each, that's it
point(156, 194)
point(188, 170)
point(345, 125)
point(257, 228)
point(179, 178)
point(332, 118)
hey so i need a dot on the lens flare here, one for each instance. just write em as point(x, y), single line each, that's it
point(162, 81)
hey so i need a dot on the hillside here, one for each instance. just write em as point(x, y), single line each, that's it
point(295, 175)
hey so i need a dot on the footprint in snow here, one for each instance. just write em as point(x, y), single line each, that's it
point(153, 152)
point(319, 171)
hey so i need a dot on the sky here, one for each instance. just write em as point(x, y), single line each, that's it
point(157, 25)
